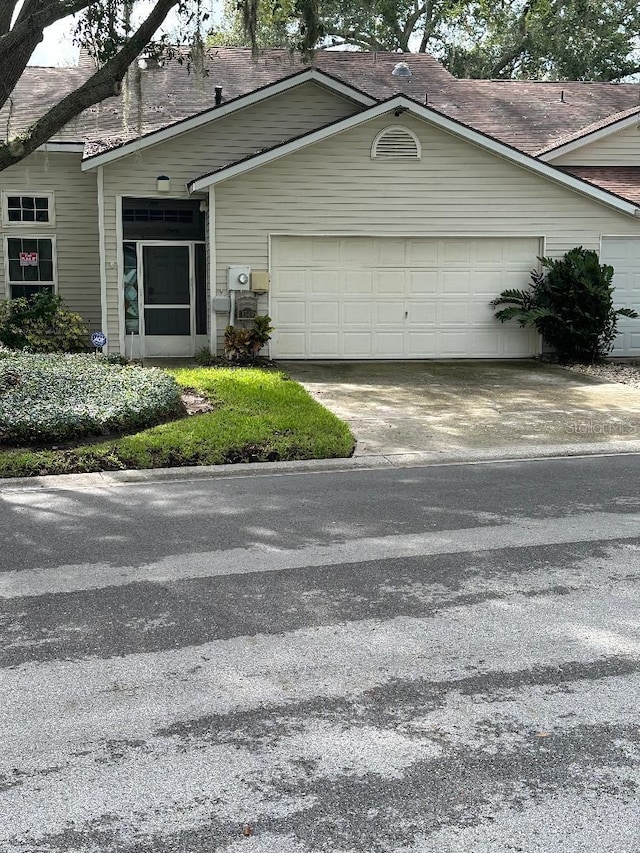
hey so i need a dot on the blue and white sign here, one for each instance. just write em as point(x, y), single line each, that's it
point(98, 339)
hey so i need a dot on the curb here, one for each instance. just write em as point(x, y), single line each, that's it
point(530, 453)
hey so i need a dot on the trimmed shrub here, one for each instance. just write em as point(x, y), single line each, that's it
point(571, 306)
point(45, 398)
point(42, 323)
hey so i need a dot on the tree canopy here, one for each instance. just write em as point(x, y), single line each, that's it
point(116, 35)
point(543, 39)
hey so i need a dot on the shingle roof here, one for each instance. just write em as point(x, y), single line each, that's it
point(623, 181)
point(602, 124)
point(526, 114)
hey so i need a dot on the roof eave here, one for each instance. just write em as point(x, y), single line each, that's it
point(550, 154)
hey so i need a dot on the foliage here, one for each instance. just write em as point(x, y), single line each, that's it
point(42, 323)
point(46, 398)
point(260, 415)
point(243, 345)
point(544, 39)
point(116, 32)
point(571, 306)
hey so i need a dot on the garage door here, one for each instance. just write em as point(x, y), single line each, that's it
point(357, 297)
point(623, 253)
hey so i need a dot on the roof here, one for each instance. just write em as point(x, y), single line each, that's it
point(605, 126)
point(589, 189)
point(528, 115)
point(624, 181)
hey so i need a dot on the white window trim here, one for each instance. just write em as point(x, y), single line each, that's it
point(49, 194)
point(54, 260)
point(390, 129)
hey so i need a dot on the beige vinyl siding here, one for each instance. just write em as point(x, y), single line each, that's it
point(205, 149)
point(618, 149)
point(75, 228)
point(456, 189)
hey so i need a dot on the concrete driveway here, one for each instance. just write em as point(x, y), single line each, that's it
point(412, 407)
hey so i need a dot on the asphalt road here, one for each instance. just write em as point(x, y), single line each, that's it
point(424, 660)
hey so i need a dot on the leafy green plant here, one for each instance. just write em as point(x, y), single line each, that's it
point(570, 305)
point(243, 345)
point(42, 323)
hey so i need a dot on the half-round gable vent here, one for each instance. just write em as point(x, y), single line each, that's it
point(397, 143)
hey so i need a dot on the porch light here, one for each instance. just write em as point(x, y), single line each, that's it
point(163, 183)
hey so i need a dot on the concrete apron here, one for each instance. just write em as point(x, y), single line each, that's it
point(413, 407)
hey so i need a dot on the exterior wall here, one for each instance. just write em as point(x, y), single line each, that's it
point(203, 150)
point(75, 227)
point(619, 149)
point(455, 189)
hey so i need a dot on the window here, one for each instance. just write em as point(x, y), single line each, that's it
point(396, 143)
point(19, 209)
point(30, 265)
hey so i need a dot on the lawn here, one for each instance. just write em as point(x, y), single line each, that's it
point(258, 416)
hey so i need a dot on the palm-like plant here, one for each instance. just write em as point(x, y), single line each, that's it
point(570, 305)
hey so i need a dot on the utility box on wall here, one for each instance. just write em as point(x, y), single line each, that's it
point(260, 281)
point(239, 277)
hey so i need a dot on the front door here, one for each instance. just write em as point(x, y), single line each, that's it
point(169, 328)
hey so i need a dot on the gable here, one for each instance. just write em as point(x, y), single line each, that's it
point(261, 125)
point(619, 148)
point(451, 171)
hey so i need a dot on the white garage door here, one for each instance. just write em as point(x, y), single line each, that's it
point(623, 253)
point(361, 297)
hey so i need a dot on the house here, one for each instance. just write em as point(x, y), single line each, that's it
point(371, 203)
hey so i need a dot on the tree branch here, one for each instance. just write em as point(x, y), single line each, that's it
point(17, 45)
point(105, 83)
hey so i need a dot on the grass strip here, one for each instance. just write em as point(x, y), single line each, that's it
point(259, 416)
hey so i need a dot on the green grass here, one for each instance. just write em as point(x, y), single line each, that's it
point(260, 415)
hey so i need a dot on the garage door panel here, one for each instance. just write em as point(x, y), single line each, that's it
point(425, 281)
point(456, 281)
point(396, 298)
point(358, 313)
point(422, 252)
point(357, 344)
point(421, 344)
point(358, 281)
point(388, 344)
point(453, 313)
point(389, 282)
point(388, 313)
point(324, 343)
point(323, 281)
point(421, 313)
point(324, 313)
point(291, 344)
point(289, 313)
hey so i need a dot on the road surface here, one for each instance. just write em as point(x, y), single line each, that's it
point(420, 660)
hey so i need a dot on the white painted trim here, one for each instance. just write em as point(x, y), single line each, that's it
point(589, 138)
point(390, 129)
point(54, 260)
point(440, 121)
point(102, 252)
point(213, 272)
point(62, 147)
point(120, 277)
point(30, 193)
point(185, 125)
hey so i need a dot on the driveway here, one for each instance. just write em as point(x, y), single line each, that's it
point(411, 407)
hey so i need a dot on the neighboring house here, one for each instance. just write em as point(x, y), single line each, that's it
point(373, 214)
